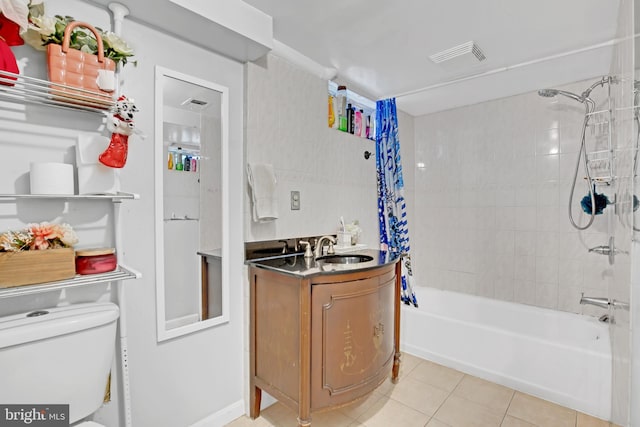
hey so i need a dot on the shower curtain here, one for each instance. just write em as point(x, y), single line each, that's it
point(392, 215)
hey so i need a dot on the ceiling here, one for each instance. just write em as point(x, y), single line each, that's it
point(383, 47)
point(181, 94)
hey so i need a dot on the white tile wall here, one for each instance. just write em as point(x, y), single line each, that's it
point(492, 202)
point(624, 335)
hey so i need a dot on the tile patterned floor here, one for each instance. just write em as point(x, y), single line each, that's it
point(435, 396)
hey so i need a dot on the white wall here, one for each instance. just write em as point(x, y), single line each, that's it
point(286, 125)
point(182, 381)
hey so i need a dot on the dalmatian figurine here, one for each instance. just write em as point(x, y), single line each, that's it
point(122, 126)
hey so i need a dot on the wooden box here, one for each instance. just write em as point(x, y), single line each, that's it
point(31, 267)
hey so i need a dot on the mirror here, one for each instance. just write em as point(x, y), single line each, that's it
point(191, 148)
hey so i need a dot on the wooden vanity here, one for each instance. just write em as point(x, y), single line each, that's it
point(322, 336)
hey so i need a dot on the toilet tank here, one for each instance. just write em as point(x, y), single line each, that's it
point(59, 355)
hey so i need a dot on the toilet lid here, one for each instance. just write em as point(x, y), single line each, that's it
point(88, 424)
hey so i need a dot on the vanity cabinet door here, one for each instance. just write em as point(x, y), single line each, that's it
point(352, 338)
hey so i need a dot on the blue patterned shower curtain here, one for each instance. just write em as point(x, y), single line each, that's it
point(394, 231)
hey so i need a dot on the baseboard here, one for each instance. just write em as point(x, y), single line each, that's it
point(223, 416)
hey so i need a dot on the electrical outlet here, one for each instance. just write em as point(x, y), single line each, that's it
point(295, 200)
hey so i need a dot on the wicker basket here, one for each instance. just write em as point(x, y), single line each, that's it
point(31, 267)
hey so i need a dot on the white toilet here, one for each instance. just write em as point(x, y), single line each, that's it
point(60, 355)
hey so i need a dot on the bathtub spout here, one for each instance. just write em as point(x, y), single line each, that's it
point(597, 301)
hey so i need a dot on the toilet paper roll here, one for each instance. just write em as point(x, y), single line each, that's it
point(51, 178)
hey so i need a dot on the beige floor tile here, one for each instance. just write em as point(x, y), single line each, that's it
point(361, 406)
point(449, 397)
point(437, 375)
point(420, 396)
point(239, 422)
point(245, 421)
point(407, 363)
point(387, 412)
point(484, 392)
point(459, 412)
point(436, 423)
point(280, 416)
point(585, 420)
point(540, 412)
point(387, 386)
point(330, 419)
point(510, 421)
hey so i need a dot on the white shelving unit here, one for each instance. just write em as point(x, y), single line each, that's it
point(600, 154)
point(121, 273)
point(25, 89)
point(113, 197)
point(19, 89)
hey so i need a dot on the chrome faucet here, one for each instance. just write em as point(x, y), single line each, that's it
point(604, 302)
point(597, 301)
point(307, 248)
point(602, 250)
point(330, 251)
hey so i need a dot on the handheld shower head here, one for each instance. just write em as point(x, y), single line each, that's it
point(550, 93)
point(583, 98)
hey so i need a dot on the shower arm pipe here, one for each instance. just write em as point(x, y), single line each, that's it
point(589, 106)
point(608, 43)
point(636, 118)
point(119, 12)
point(585, 95)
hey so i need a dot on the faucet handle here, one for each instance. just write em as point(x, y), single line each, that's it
point(285, 247)
point(331, 250)
point(318, 249)
point(307, 250)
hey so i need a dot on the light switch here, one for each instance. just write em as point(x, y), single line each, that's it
point(295, 200)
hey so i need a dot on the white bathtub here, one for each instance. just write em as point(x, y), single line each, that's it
point(561, 357)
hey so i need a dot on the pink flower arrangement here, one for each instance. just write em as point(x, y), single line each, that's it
point(38, 237)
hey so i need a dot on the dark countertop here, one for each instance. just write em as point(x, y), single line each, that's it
point(298, 266)
point(215, 253)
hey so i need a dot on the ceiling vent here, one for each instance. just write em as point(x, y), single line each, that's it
point(464, 55)
point(192, 102)
point(199, 102)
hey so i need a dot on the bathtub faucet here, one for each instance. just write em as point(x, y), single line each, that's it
point(603, 302)
point(597, 301)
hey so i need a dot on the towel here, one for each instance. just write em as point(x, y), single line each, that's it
point(262, 180)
